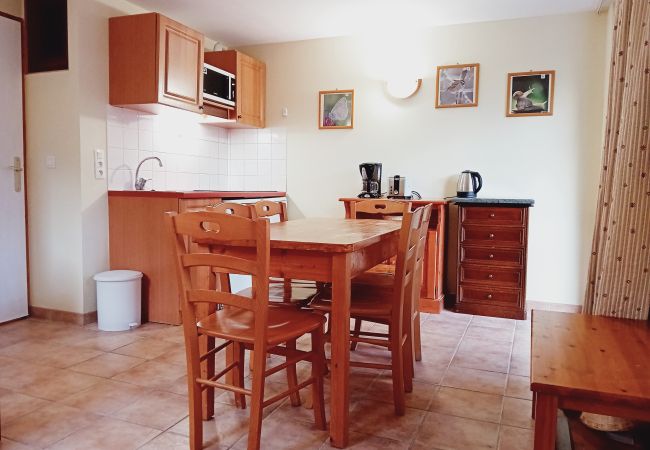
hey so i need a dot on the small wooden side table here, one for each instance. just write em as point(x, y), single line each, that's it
point(587, 363)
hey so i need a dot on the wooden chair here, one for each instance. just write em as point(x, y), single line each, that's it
point(243, 323)
point(380, 209)
point(390, 306)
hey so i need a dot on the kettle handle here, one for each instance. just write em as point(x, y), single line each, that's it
point(475, 176)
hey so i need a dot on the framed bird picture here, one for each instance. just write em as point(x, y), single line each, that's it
point(336, 109)
point(457, 86)
point(530, 93)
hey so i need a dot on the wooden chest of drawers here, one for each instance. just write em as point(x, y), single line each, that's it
point(491, 259)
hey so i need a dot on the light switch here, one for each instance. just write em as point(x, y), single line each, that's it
point(285, 111)
point(100, 164)
point(50, 162)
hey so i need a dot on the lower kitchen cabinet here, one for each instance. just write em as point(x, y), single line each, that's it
point(487, 257)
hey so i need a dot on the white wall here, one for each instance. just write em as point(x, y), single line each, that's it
point(553, 160)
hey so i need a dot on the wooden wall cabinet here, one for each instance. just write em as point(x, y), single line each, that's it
point(489, 258)
point(154, 61)
point(250, 90)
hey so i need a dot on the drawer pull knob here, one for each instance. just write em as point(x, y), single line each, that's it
point(489, 296)
point(490, 276)
point(491, 235)
point(491, 256)
point(491, 215)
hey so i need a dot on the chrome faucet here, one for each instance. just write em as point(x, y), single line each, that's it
point(140, 182)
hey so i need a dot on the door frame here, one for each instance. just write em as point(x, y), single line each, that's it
point(23, 44)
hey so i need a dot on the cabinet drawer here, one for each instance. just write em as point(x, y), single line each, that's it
point(491, 215)
point(510, 278)
point(502, 257)
point(493, 236)
point(488, 296)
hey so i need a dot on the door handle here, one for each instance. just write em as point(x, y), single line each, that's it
point(17, 168)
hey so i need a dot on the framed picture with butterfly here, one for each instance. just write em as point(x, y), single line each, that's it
point(336, 109)
point(457, 86)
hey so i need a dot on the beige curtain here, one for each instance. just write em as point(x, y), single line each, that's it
point(619, 282)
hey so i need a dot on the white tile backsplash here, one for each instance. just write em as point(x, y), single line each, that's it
point(194, 156)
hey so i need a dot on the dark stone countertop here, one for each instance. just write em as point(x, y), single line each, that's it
point(493, 201)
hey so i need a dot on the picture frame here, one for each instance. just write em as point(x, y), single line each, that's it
point(530, 93)
point(336, 109)
point(457, 85)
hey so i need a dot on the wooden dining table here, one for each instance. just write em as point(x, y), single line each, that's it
point(332, 251)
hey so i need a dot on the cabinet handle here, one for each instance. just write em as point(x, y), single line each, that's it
point(491, 256)
point(491, 215)
point(489, 296)
point(491, 236)
point(239, 116)
point(490, 276)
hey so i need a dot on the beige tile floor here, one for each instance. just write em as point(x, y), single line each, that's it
point(67, 387)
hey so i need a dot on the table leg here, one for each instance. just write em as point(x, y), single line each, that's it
point(545, 421)
point(340, 339)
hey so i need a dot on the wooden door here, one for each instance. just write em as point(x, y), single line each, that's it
point(251, 91)
point(181, 60)
point(13, 237)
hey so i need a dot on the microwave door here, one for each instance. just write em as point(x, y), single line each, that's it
point(216, 87)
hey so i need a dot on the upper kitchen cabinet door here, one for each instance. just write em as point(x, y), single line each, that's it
point(251, 91)
point(181, 65)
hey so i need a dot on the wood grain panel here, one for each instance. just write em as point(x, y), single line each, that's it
point(494, 215)
point(492, 235)
point(493, 256)
point(510, 278)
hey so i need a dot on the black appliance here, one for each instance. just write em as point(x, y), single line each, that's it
point(371, 180)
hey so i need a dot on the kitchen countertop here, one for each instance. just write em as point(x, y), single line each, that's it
point(493, 201)
point(198, 194)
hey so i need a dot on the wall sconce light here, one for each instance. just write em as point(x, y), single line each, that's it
point(403, 87)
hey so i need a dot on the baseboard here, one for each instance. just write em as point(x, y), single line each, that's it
point(550, 306)
point(62, 316)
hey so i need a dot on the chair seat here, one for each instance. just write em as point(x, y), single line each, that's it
point(366, 301)
point(284, 324)
point(290, 294)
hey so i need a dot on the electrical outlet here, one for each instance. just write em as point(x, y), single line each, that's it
point(100, 164)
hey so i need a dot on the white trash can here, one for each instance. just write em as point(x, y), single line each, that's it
point(119, 295)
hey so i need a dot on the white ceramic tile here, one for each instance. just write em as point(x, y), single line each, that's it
point(145, 140)
point(251, 182)
point(237, 136)
point(236, 151)
point(278, 168)
point(114, 157)
point(130, 119)
point(204, 148)
point(278, 183)
point(265, 183)
point(223, 167)
point(204, 181)
point(250, 167)
point(250, 151)
point(214, 183)
point(120, 180)
point(236, 167)
point(131, 138)
point(114, 117)
point(159, 181)
point(145, 122)
point(131, 159)
point(172, 181)
point(278, 135)
point(224, 151)
point(264, 151)
point(278, 151)
point(264, 136)
point(114, 136)
point(236, 182)
point(250, 136)
point(163, 158)
point(264, 167)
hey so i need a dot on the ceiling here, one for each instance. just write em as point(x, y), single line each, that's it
point(246, 22)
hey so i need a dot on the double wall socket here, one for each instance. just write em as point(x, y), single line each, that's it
point(100, 164)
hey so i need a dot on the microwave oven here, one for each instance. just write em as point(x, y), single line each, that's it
point(218, 85)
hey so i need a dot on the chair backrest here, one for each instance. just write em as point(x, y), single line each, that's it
point(236, 209)
point(405, 267)
point(267, 208)
point(379, 209)
point(199, 242)
point(422, 244)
